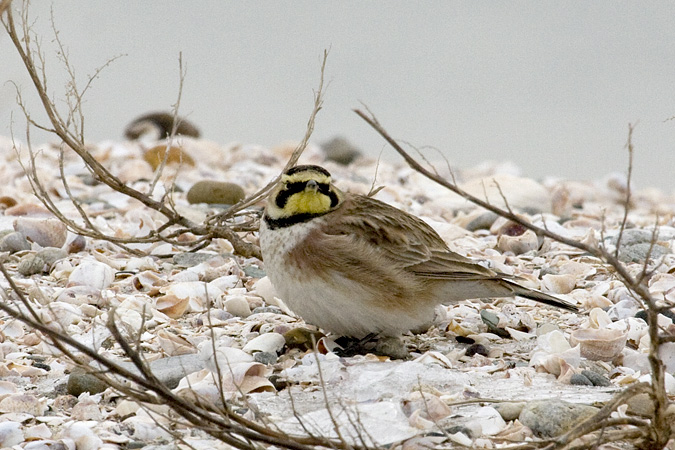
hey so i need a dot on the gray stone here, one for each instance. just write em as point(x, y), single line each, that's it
point(168, 371)
point(51, 254)
point(553, 417)
point(265, 357)
point(340, 150)
point(80, 381)
point(596, 378)
point(638, 252)
point(192, 259)
point(267, 309)
point(579, 379)
point(509, 410)
point(492, 321)
point(482, 222)
point(13, 242)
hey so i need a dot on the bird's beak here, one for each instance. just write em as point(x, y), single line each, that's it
point(312, 186)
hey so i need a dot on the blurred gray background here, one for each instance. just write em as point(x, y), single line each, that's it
point(551, 86)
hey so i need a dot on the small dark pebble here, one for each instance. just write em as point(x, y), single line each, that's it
point(135, 444)
point(476, 349)
point(492, 321)
point(267, 309)
point(666, 312)
point(40, 365)
point(482, 222)
point(254, 272)
point(278, 382)
point(265, 357)
point(464, 340)
point(596, 378)
point(580, 380)
point(459, 429)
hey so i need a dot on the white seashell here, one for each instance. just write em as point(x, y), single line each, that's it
point(518, 245)
point(10, 434)
point(37, 432)
point(172, 306)
point(597, 318)
point(430, 406)
point(558, 284)
point(237, 305)
point(174, 345)
point(268, 342)
point(6, 389)
point(145, 263)
point(264, 288)
point(14, 329)
point(82, 434)
point(599, 344)
point(589, 300)
point(86, 410)
point(200, 295)
point(49, 232)
point(225, 283)
point(64, 314)
point(126, 408)
point(23, 403)
point(489, 419)
point(433, 357)
point(80, 295)
point(519, 335)
point(92, 273)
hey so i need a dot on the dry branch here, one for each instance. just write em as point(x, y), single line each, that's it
point(658, 431)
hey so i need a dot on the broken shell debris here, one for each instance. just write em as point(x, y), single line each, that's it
point(210, 321)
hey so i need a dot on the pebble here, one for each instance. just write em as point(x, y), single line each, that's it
point(44, 232)
point(265, 357)
point(638, 252)
point(13, 241)
point(579, 379)
point(215, 192)
point(482, 222)
point(476, 349)
point(340, 150)
point(492, 321)
point(78, 244)
point(168, 371)
point(509, 410)
point(267, 309)
point(553, 417)
point(155, 156)
point(596, 378)
point(189, 259)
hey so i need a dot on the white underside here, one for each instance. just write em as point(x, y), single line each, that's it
point(337, 305)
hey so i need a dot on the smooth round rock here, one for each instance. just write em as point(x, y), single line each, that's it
point(596, 378)
point(215, 192)
point(13, 242)
point(340, 150)
point(509, 410)
point(553, 417)
point(48, 232)
point(579, 379)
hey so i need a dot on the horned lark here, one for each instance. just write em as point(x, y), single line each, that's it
point(355, 266)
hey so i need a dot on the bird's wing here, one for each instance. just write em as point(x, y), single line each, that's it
point(403, 239)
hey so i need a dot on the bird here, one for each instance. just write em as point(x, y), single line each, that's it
point(355, 266)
